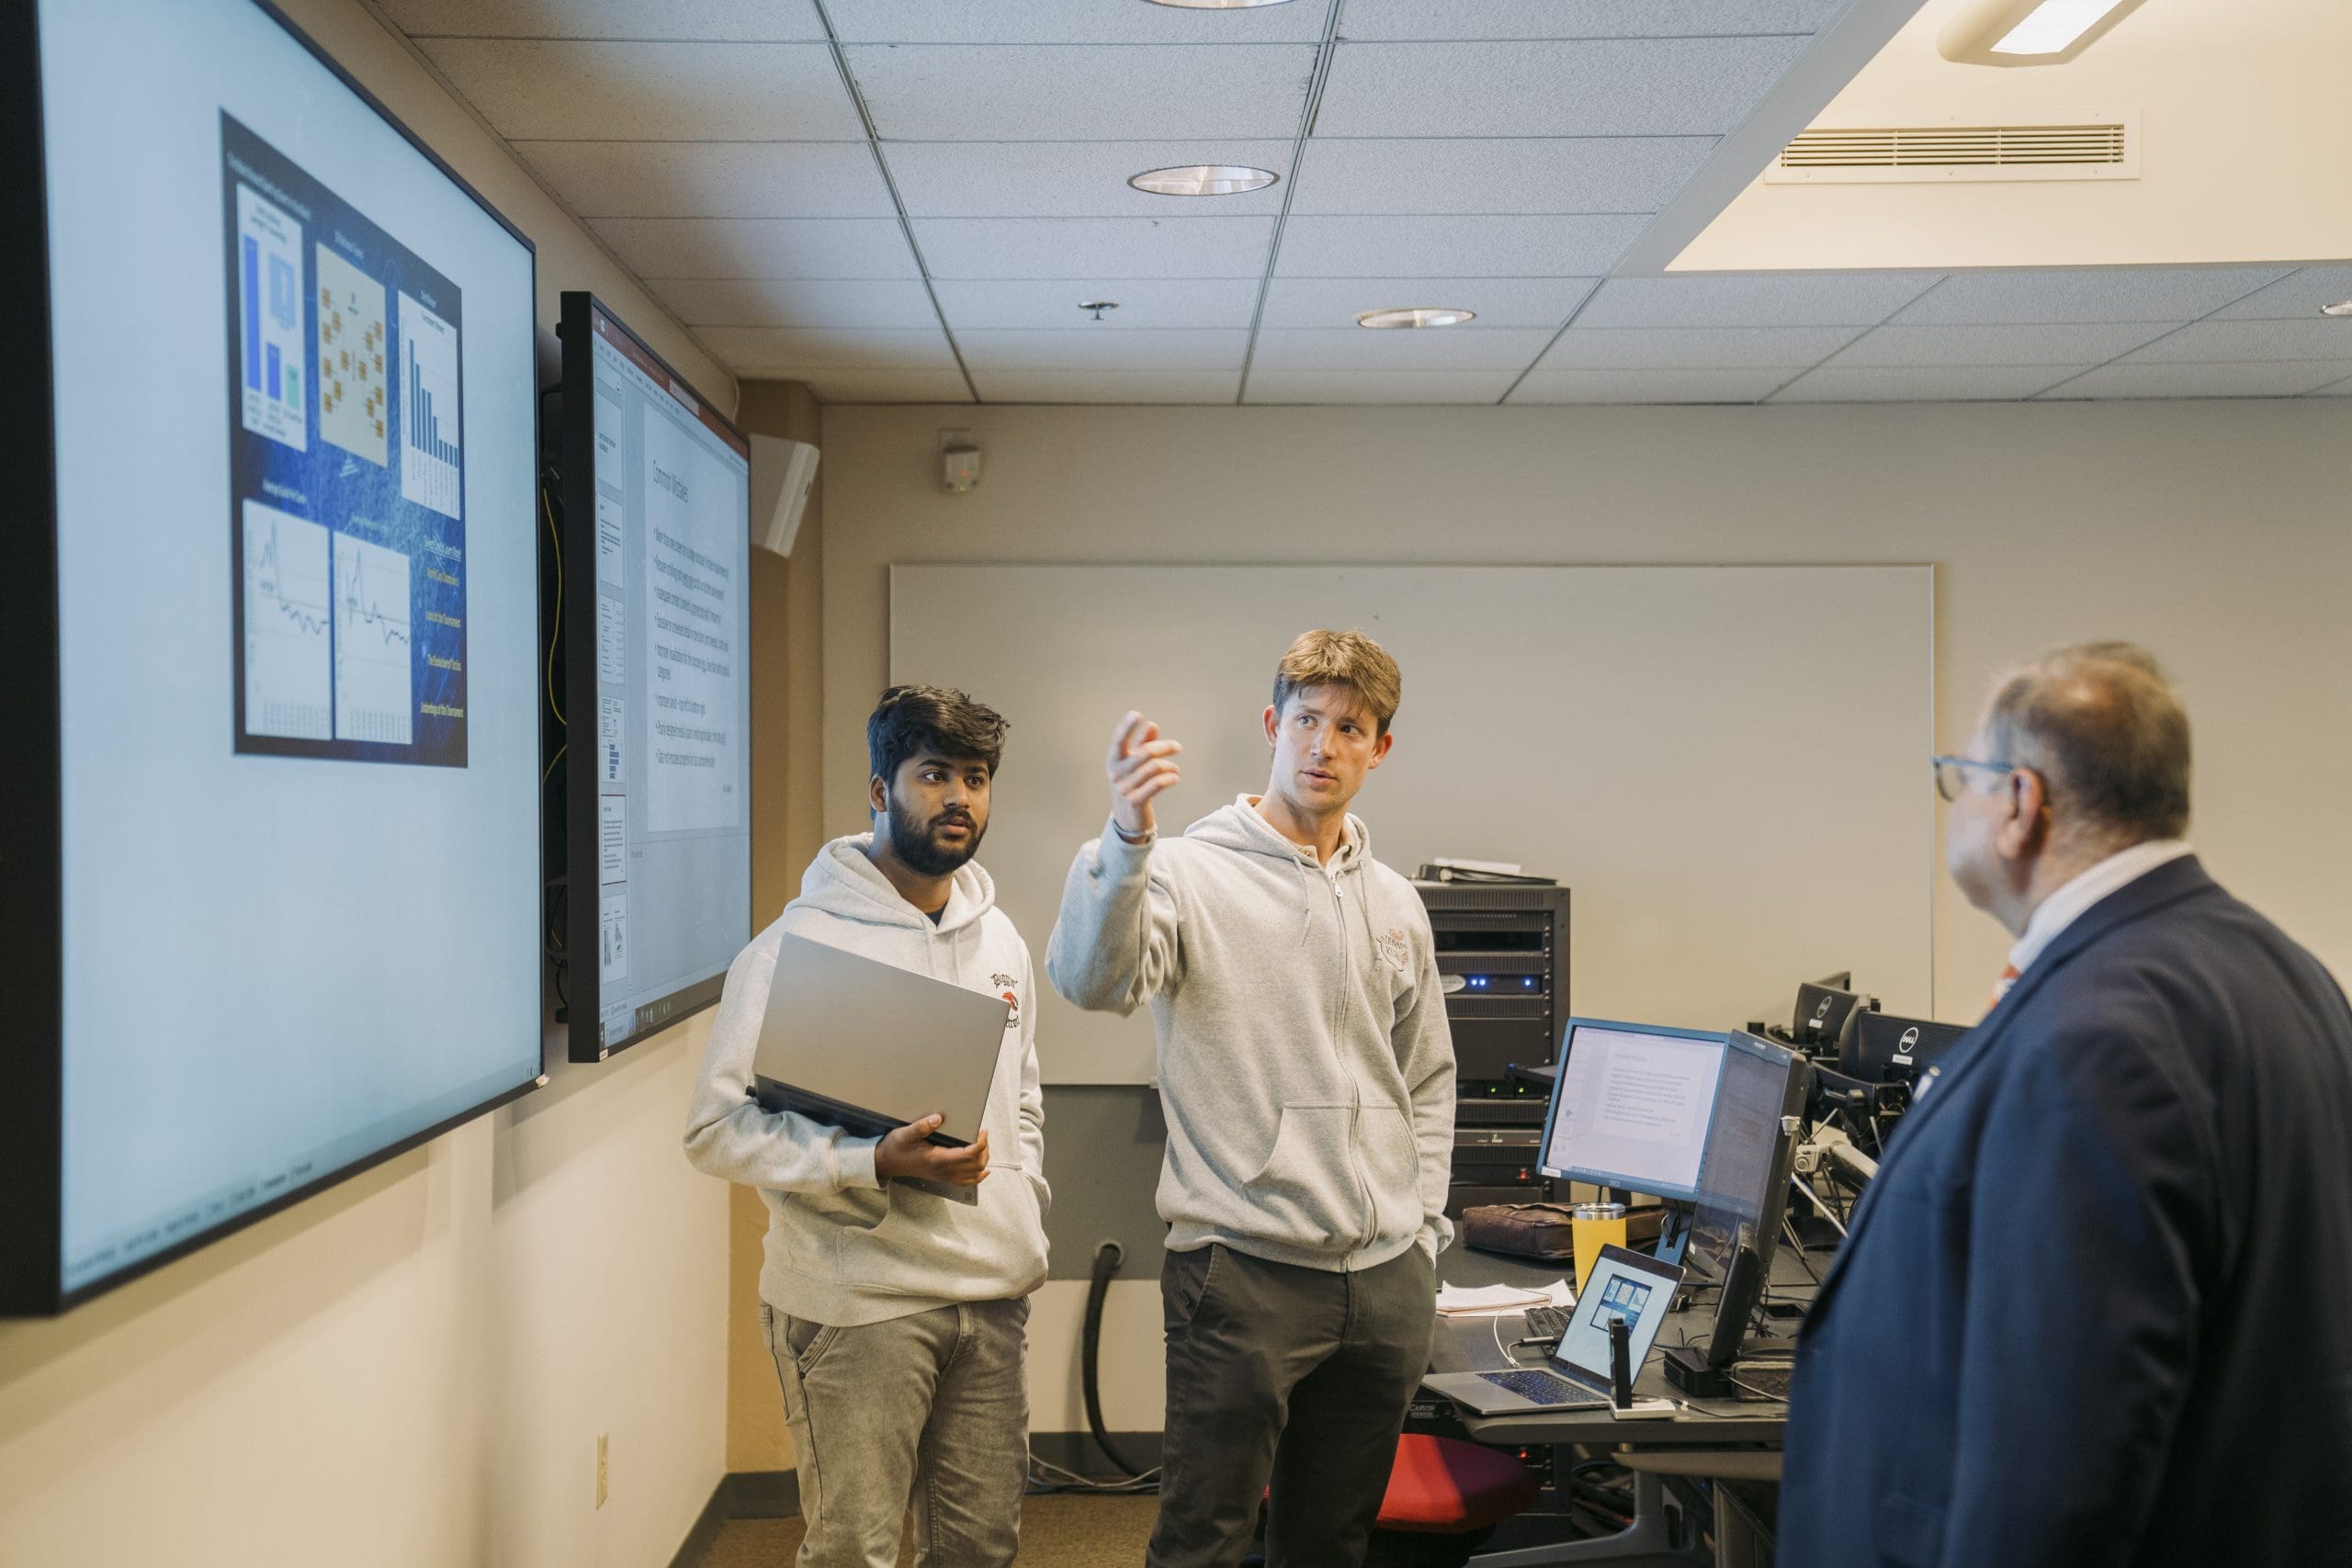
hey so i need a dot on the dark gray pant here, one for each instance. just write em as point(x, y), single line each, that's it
point(1295, 1376)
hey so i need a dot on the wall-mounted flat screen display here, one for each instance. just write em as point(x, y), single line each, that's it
point(657, 496)
point(273, 880)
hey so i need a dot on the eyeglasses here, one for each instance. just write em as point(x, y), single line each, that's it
point(1948, 773)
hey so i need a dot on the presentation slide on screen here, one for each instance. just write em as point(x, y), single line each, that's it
point(350, 609)
point(299, 824)
point(1636, 1105)
point(672, 487)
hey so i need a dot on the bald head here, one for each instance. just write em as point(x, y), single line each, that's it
point(2103, 726)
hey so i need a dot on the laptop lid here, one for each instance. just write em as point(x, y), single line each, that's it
point(1623, 1284)
point(868, 1045)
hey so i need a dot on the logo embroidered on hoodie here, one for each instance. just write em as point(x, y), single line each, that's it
point(1393, 949)
point(1005, 983)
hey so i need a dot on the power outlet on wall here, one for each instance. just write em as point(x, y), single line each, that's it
point(604, 1467)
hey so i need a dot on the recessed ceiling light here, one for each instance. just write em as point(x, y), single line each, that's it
point(1416, 316)
point(2341, 307)
point(2028, 32)
point(1217, 5)
point(1204, 179)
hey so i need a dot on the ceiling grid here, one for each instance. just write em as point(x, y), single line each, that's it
point(911, 200)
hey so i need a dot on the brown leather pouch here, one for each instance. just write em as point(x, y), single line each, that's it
point(1520, 1230)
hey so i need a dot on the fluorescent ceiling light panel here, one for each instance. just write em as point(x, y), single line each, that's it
point(1204, 179)
point(1416, 316)
point(2028, 32)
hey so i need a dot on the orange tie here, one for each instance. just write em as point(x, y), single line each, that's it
point(2001, 986)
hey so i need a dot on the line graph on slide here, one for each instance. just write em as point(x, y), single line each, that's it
point(287, 611)
point(374, 678)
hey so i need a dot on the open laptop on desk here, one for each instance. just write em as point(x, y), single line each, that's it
point(1623, 1284)
point(866, 1046)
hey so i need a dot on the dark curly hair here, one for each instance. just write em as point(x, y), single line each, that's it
point(910, 720)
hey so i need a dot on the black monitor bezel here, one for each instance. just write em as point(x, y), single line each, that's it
point(575, 485)
point(1697, 1259)
point(1809, 993)
point(32, 1172)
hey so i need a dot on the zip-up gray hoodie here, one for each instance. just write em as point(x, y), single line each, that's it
point(1305, 1061)
point(843, 1247)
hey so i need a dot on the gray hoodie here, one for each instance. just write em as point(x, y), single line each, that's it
point(1305, 1061)
point(843, 1247)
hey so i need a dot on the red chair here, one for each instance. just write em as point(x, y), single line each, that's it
point(1446, 1496)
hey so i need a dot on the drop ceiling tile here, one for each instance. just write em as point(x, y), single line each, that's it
point(713, 179)
point(1142, 303)
point(744, 20)
point(1603, 173)
point(1060, 21)
point(1581, 18)
point(2340, 389)
point(760, 247)
point(1945, 383)
point(835, 385)
point(2061, 344)
point(788, 351)
point(1105, 348)
point(1359, 348)
point(1400, 388)
point(1648, 87)
point(1754, 300)
point(2316, 337)
point(533, 90)
point(1025, 93)
point(2082, 294)
point(2297, 295)
point(1107, 247)
point(1693, 348)
point(1454, 247)
point(1071, 179)
point(1726, 386)
point(1108, 385)
point(795, 302)
point(1499, 301)
point(2288, 378)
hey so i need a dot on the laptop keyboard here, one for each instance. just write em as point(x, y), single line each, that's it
point(1547, 1323)
point(1541, 1388)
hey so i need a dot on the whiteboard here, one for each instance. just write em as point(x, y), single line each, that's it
point(1727, 765)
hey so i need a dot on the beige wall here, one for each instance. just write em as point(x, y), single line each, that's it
point(412, 1369)
point(2217, 533)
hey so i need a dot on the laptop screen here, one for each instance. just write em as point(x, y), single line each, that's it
point(1623, 1284)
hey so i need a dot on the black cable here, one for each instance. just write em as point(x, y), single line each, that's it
point(1107, 1258)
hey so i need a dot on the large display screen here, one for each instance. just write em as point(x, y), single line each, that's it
point(276, 904)
point(657, 488)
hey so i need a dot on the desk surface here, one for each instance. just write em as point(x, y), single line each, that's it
point(1469, 1344)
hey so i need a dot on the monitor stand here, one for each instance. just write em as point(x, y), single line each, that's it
point(1674, 1231)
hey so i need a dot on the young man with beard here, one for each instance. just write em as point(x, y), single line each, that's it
point(896, 1316)
point(1307, 1076)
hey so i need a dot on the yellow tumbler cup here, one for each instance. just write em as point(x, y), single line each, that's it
point(1592, 1226)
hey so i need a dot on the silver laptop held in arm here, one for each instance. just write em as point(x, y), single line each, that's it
point(866, 1046)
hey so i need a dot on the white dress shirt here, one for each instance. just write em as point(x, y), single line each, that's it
point(2062, 907)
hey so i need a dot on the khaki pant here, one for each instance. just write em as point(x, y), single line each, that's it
point(927, 1414)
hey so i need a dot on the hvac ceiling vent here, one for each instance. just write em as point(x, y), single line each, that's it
point(2096, 146)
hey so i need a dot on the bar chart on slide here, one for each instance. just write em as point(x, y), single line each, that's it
point(287, 653)
point(431, 443)
point(269, 279)
point(374, 673)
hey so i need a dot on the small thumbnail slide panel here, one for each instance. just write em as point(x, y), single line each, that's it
point(346, 455)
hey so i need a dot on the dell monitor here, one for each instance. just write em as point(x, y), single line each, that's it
point(1821, 1012)
point(1885, 1048)
point(1631, 1105)
point(656, 489)
point(271, 628)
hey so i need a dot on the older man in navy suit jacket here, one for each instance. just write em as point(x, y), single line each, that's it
point(2097, 1306)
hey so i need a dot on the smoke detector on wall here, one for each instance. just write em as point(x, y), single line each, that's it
point(959, 461)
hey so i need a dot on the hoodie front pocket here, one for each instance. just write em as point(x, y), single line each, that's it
point(1309, 1188)
point(1391, 1169)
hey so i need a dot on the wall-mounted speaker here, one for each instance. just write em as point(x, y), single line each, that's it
point(781, 472)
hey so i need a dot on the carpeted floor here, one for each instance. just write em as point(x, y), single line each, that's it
point(1055, 1533)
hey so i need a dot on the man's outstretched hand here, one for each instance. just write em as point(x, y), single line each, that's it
point(1140, 765)
point(903, 1151)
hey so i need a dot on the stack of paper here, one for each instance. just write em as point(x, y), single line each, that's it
point(1494, 1300)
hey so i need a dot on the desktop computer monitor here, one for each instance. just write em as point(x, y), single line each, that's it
point(1631, 1106)
point(1821, 1012)
point(1885, 1048)
point(1743, 1186)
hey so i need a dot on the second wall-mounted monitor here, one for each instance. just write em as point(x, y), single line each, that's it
point(656, 561)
